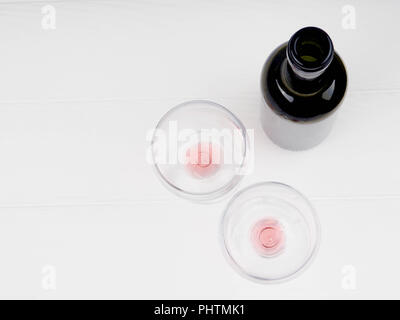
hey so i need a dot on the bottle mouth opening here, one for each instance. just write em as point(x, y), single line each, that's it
point(310, 49)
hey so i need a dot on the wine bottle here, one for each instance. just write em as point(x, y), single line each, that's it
point(303, 83)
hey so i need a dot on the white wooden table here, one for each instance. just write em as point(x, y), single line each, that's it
point(82, 214)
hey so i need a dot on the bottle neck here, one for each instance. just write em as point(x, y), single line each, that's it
point(309, 53)
point(304, 74)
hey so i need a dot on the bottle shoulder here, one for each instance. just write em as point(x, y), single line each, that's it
point(302, 100)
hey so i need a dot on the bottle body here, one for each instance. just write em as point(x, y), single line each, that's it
point(294, 135)
point(303, 82)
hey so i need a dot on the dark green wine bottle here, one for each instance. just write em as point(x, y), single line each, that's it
point(303, 82)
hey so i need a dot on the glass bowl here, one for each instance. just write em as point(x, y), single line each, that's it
point(270, 232)
point(199, 150)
